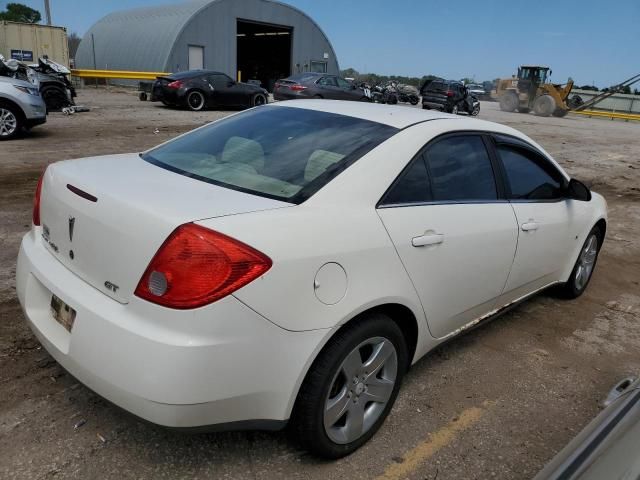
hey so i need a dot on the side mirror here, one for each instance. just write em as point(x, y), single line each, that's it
point(577, 190)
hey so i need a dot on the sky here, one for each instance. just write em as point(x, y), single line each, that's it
point(594, 42)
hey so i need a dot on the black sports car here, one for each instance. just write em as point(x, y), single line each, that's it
point(201, 89)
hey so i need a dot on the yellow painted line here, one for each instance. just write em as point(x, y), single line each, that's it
point(117, 74)
point(598, 113)
point(436, 441)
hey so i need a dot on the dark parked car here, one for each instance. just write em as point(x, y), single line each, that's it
point(442, 95)
point(200, 89)
point(317, 85)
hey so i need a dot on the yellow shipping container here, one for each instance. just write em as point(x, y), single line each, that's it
point(28, 41)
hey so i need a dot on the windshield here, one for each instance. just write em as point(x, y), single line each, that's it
point(283, 153)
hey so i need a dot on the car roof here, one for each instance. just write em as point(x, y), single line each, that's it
point(403, 116)
point(397, 116)
point(195, 73)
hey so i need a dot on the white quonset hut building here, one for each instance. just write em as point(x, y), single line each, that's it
point(246, 39)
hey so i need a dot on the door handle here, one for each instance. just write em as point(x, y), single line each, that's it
point(529, 226)
point(430, 239)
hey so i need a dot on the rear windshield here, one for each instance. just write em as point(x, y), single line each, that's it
point(302, 77)
point(283, 153)
point(436, 86)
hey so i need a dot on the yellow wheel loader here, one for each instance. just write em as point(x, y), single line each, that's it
point(530, 91)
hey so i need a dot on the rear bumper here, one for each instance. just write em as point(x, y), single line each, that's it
point(160, 94)
point(289, 95)
point(435, 105)
point(220, 364)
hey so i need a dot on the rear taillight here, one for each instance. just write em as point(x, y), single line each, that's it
point(177, 85)
point(449, 93)
point(297, 88)
point(36, 200)
point(196, 266)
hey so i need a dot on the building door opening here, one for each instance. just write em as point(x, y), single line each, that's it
point(196, 57)
point(264, 52)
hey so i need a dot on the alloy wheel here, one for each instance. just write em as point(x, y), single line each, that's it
point(8, 122)
point(586, 262)
point(195, 100)
point(259, 100)
point(360, 390)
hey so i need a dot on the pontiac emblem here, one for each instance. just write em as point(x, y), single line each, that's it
point(72, 222)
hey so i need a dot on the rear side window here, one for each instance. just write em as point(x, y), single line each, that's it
point(460, 169)
point(530, 176)
point(283, 153)
point(411, 187)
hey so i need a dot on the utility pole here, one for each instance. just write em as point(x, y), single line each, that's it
point(47, 11)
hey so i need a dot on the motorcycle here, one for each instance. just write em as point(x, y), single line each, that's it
point(406, 93)
point(384, 94)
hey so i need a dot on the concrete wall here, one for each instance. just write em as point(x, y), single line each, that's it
point(618, 102)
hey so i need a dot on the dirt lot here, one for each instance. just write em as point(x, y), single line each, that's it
point(496, 403)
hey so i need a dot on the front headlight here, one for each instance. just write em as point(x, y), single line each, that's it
point(28, 90)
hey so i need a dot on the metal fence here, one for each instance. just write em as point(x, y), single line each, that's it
point(618, 102)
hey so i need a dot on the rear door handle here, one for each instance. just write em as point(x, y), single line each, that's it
point(529, 226)
point(430, 239)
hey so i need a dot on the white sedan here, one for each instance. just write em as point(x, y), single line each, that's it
point(290, 262)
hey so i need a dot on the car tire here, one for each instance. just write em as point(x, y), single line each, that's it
point(11, 121)
point(414, 100)
point(509, 102)
point(475, 111)
point(196, 101)
point(559, 112)
point(329, 415)
point(425, 107)
point(584, 266)
point(258, 100)
point(55, 98)
point(524, 109)
point(544, 105)
point(453, 109)
point(318, 97)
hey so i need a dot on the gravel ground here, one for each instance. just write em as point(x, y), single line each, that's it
point(496, 403)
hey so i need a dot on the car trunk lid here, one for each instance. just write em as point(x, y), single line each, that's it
point(105, 217)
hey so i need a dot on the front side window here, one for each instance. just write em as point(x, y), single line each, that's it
point(342, 83)
point(460, 170)
point(529, 176)
point(283, 153)
point(328, 82)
